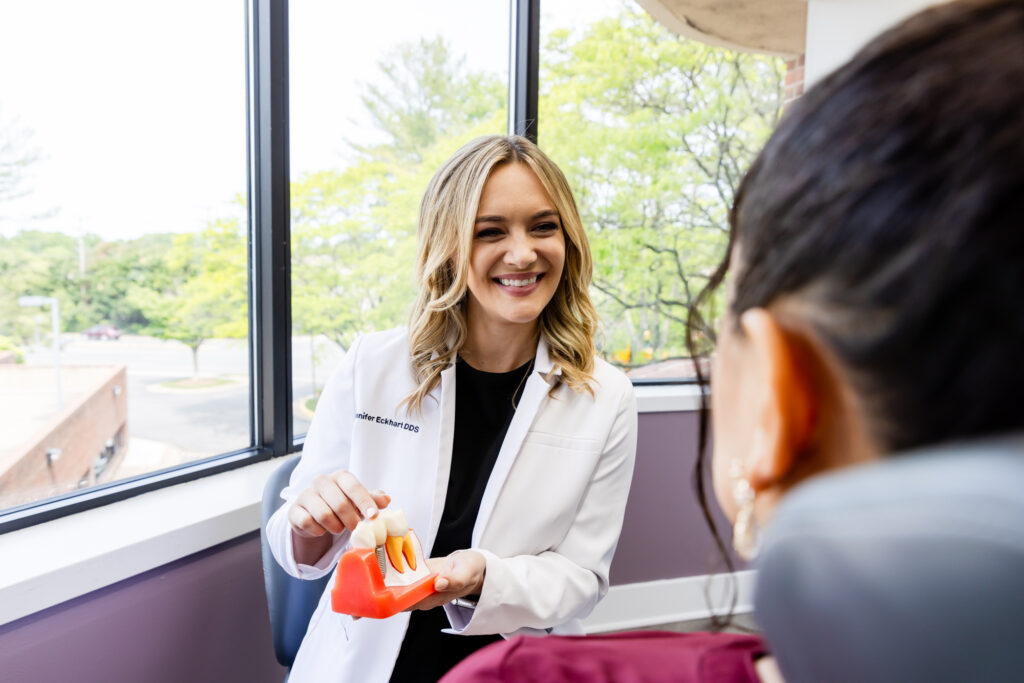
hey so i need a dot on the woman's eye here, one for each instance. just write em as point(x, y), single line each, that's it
point(546, 227)
point(485, 233)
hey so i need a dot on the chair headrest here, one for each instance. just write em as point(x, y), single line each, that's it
point(907, 569)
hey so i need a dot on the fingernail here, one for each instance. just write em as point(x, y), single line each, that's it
point(441, 584)
point(370, 512)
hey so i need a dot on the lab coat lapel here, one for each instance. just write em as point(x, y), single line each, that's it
point(446, 436)
point(534, 393)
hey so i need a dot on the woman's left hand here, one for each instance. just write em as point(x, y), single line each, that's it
point(458, 575)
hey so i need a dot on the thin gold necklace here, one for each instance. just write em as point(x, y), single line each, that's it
point(525, 375)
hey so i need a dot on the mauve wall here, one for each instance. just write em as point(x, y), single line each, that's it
point(204, 617)
point(664, 534)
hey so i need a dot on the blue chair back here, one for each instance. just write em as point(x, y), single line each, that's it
point(291, 601)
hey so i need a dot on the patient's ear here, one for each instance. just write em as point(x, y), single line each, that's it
point(783, 396)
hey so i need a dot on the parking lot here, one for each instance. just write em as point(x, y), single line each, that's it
point(169, 425)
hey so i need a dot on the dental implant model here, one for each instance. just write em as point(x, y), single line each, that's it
point(384, 571)
point(402, 545)
point(397, 547)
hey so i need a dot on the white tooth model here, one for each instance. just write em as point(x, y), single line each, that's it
point(390, 529)
point(369, 533)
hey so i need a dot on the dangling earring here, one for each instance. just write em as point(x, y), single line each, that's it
point(746, 535)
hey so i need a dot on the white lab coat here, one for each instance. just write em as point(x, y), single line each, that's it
point(549, 519)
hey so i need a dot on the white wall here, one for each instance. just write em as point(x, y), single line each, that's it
point(836, 29)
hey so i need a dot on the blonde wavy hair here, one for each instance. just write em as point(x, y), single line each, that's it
point(437, 324)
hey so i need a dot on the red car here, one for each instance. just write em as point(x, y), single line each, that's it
point(102, 332)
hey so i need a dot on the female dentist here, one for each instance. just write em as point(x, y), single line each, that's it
point(516, 482)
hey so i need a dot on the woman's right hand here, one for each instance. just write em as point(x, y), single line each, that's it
point(331, 504)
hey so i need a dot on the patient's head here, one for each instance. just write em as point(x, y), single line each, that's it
point(876, 261)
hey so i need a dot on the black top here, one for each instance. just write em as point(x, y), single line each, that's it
point(483, 412)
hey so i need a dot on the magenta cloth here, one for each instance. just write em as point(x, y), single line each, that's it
point(633, 657)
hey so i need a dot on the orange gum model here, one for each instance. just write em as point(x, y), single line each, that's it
point(359, 588)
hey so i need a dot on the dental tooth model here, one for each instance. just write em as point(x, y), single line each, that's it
point(399, 540)
point(384, 571)
point(369, 533)
point(390, 529)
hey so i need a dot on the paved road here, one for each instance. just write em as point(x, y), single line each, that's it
point(211, 421)
point(206, 421)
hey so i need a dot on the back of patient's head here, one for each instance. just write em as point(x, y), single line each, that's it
point(889, 205)
point(891, 201)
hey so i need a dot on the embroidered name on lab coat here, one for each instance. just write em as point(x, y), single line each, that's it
point(387, 421)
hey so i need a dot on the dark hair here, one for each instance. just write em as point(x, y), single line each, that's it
point(891, 200)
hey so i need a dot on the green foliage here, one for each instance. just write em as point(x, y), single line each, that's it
point(123, 275)
point(206, 295)
point(110, 289)
point(427, 96)
point(654, 133)
point(40, 264)
point(352, 248)
point(7, 344)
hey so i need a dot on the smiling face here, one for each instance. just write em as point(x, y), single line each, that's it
point(518, 250)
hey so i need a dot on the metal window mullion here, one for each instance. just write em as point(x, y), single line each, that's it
point(524, 68)
point(270, 207)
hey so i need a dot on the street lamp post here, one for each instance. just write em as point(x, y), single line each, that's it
point(54, 304)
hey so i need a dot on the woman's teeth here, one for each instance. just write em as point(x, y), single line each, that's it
point(518, 283)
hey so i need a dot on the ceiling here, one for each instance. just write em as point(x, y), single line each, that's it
point(776, 27)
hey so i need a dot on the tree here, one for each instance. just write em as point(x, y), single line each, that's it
point(41, 264)
point(119, 275)
point(352, 253)
point(207, 294)
point(426, 96)
point(46, 263)
point(654, 133)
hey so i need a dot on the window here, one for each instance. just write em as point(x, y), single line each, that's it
point(144, 206)
point(198, 269)
point(654, 132)
point(123, 242)
point(381, 95)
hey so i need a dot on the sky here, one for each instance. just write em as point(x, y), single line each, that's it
point(136, 109)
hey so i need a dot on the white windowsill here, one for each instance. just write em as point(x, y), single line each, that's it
point(670, 601)
point(56, 561)
point(667, 398)
point(50, 563)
